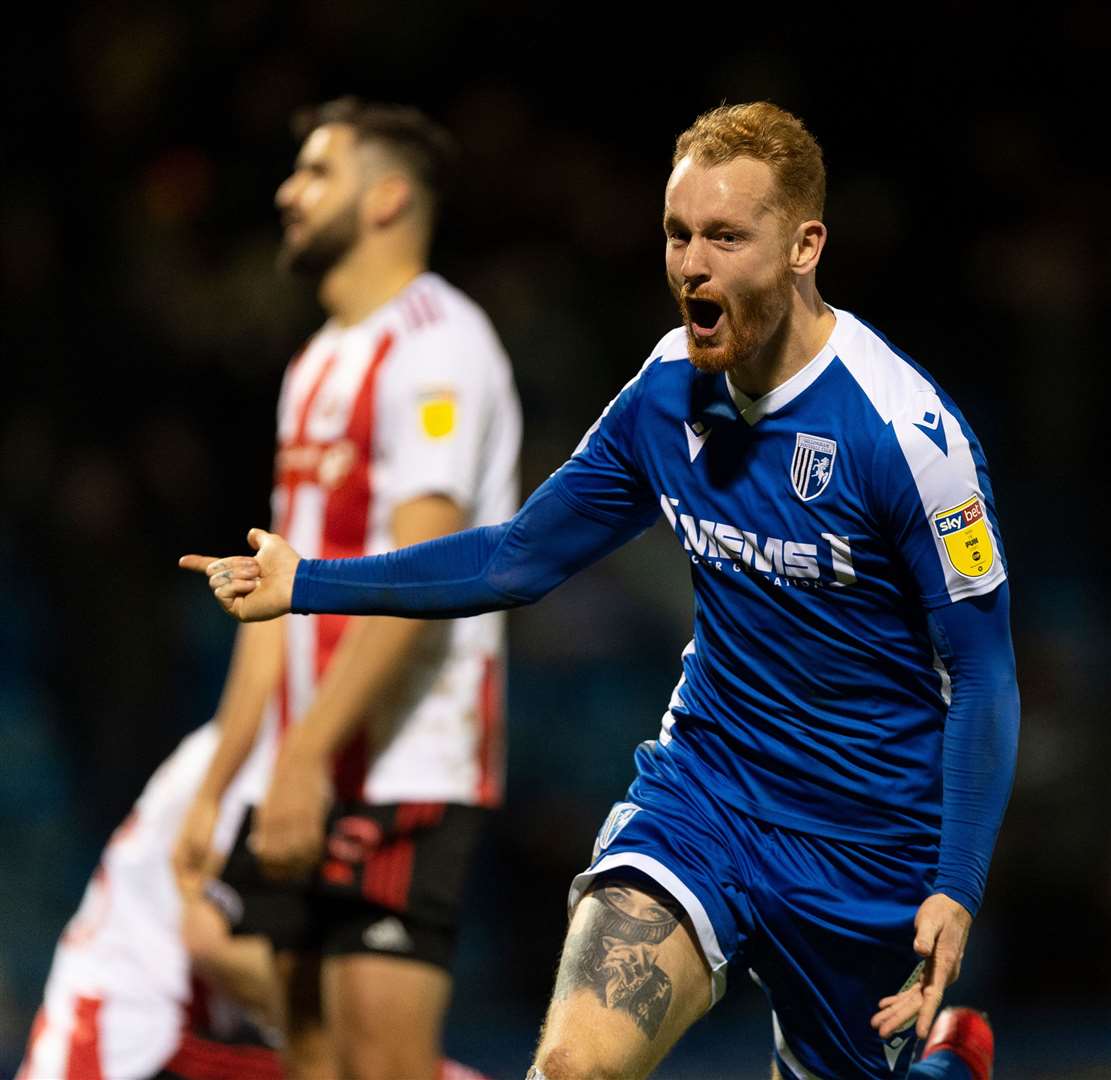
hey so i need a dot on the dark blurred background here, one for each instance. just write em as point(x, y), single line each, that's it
point(145, 329)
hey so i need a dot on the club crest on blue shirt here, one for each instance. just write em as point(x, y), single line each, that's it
point(812, 465)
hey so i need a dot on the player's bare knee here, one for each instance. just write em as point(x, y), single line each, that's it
point(575, 1046)
point(565, 1060)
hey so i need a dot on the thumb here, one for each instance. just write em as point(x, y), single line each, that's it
point(256, 538)
point(926, 930)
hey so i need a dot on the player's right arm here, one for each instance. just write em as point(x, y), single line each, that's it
point(596, 502)
point(254, 671)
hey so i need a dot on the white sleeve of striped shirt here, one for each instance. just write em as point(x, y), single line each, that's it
point(442, 397)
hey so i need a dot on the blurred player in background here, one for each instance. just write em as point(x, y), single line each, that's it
point(822, 802)
point(397, 423)
point(120, 1002)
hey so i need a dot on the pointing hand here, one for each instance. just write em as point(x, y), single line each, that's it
point(251, 589)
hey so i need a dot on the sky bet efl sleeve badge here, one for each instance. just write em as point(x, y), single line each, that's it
point(437, 414)
point(967, 538)
point(812, 465)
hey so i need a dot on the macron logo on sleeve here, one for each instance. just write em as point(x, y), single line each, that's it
point(929, 423)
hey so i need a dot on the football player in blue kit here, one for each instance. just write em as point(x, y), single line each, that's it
point(822, 801)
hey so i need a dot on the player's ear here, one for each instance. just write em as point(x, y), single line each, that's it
point(806, 247)
point(386, 199)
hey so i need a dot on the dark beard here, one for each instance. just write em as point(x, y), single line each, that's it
point(325, 247)
point(752, 320)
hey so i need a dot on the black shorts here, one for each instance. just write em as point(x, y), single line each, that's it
point(391, 883)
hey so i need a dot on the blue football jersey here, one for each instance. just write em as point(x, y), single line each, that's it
point(821, 522)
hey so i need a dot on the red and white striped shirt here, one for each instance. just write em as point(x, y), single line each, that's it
point(417, 399)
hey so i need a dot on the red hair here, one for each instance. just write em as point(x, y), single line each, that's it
point(766, 133)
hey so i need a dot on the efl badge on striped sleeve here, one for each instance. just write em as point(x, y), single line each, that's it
point(812, 465)
point(964, 528)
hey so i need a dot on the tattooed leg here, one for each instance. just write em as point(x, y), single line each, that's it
point(616, 955)
point(632, 979)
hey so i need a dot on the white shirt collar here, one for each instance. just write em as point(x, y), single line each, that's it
point(752, 410)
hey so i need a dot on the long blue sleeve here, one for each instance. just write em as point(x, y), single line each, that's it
point(973, 639)
point(503, 566)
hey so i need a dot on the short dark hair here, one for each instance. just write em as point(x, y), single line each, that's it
point(425, 148)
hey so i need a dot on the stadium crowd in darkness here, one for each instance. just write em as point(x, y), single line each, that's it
point(145, 330)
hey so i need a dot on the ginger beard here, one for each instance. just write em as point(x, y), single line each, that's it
point(747, 321)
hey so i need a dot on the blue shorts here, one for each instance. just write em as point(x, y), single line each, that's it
point(825, 927)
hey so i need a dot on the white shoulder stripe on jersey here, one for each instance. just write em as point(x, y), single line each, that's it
point(907, 401)
point(945, 480)
point(887, 380)
point(672, 346)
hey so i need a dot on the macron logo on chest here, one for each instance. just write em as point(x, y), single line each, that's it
point(697, 434)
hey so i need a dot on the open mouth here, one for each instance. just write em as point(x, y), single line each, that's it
point(705, 316)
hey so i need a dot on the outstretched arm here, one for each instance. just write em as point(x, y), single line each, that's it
point(503, 566)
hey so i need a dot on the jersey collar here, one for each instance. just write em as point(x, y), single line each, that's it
point(753, 410)
point(374, 320)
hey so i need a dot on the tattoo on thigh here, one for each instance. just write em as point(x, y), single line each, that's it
point(615, 956)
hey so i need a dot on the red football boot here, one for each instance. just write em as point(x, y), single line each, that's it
point(966, 1033)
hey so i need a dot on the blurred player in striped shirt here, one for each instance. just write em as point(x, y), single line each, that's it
point(381, 739)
